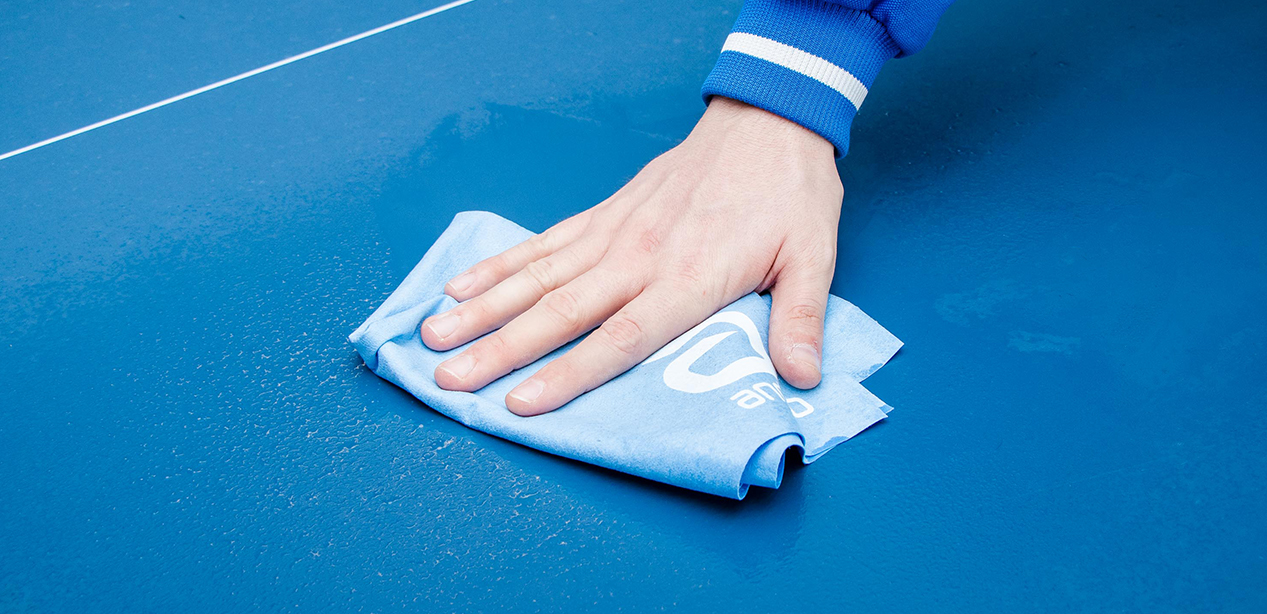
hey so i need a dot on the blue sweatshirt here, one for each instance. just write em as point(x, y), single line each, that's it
point(812, 61)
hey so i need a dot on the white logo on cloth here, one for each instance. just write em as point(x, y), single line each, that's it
point(679, 376)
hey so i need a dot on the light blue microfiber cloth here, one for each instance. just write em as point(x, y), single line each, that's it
point(706, 412)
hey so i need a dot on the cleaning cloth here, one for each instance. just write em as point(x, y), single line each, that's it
point(706, 412)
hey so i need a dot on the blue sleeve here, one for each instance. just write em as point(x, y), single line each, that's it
point(813, 61)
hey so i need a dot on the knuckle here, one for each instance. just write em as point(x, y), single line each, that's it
point(622, 334)
point(541, 274)
point(562, 304)
point(650, 240)
point(562, 369)
point(484, 268)
point(500, 351)
point(472, 311)
point(494, 268)
point(496, 343)
point(688, 272)
point(805, 314)
point(539, 243)
point(693, 279)
point(495, 346)
point(479, 312)
point(549, 241)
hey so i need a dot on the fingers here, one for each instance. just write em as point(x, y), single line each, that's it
point(647, 323)
point(798, 305)
point(513, 296)
point(491, 271)
point(559, 317)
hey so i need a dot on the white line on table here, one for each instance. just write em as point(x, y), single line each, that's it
point(234, 79)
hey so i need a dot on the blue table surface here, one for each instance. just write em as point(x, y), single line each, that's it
point(1058, 206)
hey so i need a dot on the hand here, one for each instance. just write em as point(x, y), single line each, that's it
point(749, 201)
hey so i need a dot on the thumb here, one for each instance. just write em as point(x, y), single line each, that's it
point(799, 302)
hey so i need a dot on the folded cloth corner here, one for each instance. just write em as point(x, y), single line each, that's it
point(707, 412)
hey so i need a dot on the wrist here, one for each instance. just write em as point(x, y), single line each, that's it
point(811, 61)
point(740, 122)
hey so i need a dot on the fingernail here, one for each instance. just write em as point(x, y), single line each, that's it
point(528, 391)
point(459, 367)
point(805, 353)
point(462, 282)
point(443, 325)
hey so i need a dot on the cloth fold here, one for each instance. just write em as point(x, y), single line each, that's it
point(706, 412)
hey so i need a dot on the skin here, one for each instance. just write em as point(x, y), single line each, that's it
point(748, 201)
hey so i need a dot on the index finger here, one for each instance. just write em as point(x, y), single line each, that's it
point(655, 317)
point(493, 270)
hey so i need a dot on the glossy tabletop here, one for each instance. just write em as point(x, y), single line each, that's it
point(1058, 206)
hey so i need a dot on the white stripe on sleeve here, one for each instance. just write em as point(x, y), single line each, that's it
point(799, 61)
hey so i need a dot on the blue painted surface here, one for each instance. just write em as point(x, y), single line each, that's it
point(1059, 208)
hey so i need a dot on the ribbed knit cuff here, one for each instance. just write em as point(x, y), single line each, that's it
point(809, 61)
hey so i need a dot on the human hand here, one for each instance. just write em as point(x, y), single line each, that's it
point(748, 201)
